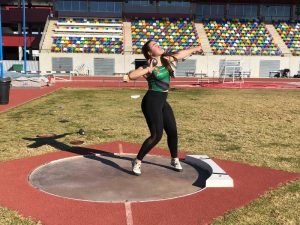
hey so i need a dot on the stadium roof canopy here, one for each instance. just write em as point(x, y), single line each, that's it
point(273, 2)
point(9, 2)
point(204, 1)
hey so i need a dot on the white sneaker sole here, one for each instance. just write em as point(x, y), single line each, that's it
point(137, 174)
point(176, 169)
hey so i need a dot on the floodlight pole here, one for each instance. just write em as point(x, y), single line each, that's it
point(24, 37)
point(1, 49)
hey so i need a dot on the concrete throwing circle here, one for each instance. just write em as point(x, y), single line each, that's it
point(108, 178)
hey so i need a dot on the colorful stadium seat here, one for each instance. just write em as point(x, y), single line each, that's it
point(290, 33)
point(240, 37)
point(87, 44)
point(92, 35)
point(171, 34)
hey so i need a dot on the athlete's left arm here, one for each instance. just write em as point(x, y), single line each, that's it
point(184, 53)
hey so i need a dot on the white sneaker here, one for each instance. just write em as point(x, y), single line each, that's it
point(176, 164)
point(136, 167)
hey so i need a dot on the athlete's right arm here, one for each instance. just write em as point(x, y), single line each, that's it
point(141, 71)
point(135, 74)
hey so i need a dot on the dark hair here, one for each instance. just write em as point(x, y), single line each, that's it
point(165, 62)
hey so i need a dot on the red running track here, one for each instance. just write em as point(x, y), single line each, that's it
point(19, 96)
point(200, 208)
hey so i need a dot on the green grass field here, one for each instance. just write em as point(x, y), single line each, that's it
point(258, 127)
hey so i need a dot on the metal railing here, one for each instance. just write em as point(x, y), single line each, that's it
point(204, 53)
point(249, 53)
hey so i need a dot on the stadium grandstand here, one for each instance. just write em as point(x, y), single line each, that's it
point(251, 38)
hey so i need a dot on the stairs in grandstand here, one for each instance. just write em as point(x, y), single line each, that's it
point(278, 39)
point(47, 36)
point(127, 37)
point(203, 38)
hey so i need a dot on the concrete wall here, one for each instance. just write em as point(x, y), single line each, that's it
point(208, 64)
point(204, 64)
point(79, 59)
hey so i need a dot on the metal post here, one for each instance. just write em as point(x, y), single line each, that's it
point(24, 38)
point(1, 49)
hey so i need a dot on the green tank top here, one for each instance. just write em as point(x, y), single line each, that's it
point(159, 80)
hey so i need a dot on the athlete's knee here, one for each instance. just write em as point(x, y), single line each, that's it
point(156, 137)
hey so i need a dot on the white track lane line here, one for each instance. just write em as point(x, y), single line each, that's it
point(129, 218)
point(120, 148)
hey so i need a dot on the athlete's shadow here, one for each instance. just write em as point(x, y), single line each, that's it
point(90, 153)
point(85, 152)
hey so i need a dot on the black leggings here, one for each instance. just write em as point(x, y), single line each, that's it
point(159, 116)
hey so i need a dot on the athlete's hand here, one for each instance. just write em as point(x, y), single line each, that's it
point(150, 67)
point(198, 49)
point(126, 78)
